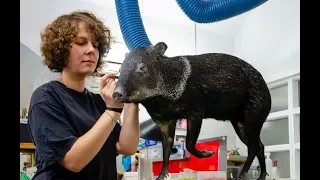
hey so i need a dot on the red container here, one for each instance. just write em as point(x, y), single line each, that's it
point(198, 164)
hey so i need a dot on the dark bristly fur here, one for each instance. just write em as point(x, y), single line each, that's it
point(195, 87)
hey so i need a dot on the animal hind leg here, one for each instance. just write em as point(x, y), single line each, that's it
point(193, 131)
point(253, 148)
point(262, 161)
point(249, 132)
point(238, 127)
point(167, 132)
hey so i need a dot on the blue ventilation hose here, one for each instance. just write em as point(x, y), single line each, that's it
point(200, 11)
point(208, 11)
point(131, 24)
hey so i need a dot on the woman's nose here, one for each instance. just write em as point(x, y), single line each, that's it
point(90, 48)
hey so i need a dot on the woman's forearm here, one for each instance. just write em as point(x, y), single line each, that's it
point(88, 145)
point(130, 131)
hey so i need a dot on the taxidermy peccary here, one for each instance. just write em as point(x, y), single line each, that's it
point(196, 87)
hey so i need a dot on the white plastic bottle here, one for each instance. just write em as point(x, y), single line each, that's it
point(275, 172)
point(268, 165)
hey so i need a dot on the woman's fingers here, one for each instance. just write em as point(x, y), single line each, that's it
point(105, 79)
point(109, 82)
point(113, 86)
point(109, 87)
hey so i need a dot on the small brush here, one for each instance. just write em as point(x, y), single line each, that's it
point(102, 74)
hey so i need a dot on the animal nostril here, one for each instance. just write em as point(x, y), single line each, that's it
point(117, 95)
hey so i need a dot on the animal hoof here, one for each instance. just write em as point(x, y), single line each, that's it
point(263, 178)
point(237, 178)
point(162, 177)
point(206, 153)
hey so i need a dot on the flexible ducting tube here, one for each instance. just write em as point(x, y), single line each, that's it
point(208, 11)
point(200, 11)
point(131, 24)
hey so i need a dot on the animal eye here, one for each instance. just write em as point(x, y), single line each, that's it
point(143, 68)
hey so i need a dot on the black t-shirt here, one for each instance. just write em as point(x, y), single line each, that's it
point(57, 117)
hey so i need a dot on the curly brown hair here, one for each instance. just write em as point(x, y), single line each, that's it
point(58, 37)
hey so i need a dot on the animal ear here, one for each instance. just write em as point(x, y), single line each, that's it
point(160, 48)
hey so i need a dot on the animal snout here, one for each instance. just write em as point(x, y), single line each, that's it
point(118, 93)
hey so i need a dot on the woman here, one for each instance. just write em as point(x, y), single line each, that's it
point(75, 132)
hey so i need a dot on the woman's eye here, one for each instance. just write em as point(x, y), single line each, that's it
point(81, 43)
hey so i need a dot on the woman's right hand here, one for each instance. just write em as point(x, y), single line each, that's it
point(107, 86)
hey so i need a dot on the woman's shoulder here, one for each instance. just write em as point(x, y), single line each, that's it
point(45, 92)
point(96, 97)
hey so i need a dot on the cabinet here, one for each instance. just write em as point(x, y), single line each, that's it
point(26, 145)
point(281, 132)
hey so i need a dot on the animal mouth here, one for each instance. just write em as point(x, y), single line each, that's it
point(121, 98)
point(126, 99)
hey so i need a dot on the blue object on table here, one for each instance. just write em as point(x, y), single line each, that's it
point(126, 162)
point(150, 143)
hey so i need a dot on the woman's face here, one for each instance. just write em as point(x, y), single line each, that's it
point(84, 54)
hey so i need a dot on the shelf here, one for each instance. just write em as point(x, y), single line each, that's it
point(238, 159)
point(296, 111)
point(23, 121)
point(278, 115)
point(277, 148)
point(27, 146)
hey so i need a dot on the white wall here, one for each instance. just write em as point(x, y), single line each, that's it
point(30, 68)
point(33, 20)
point(270, 39)
point(27, 73)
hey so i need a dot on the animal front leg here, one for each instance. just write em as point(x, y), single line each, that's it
point(193, 131)
point(168, 132)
